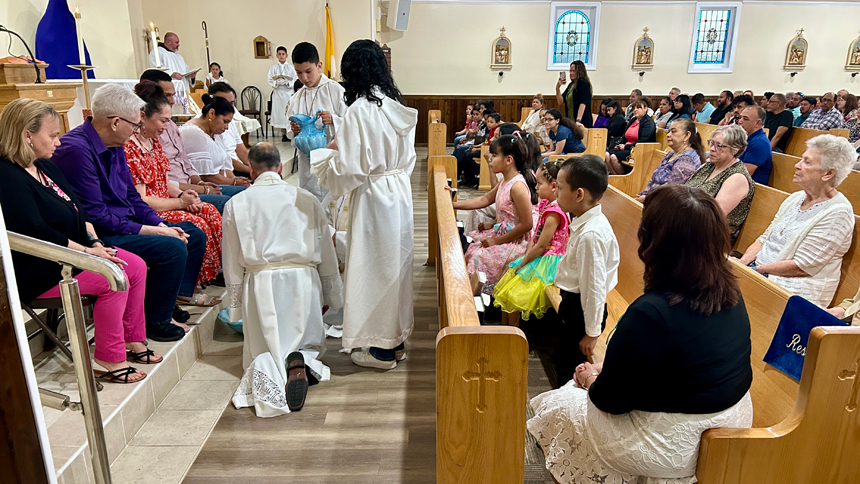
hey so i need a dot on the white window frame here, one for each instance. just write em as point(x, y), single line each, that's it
point(728, 64)
point(590, 9)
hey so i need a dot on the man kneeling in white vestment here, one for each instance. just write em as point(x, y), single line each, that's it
point(281, 269)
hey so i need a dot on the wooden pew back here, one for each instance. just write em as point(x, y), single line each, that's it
point(849, 280)
point(437, 134)
point(481, 371)
point(763, 209)
point(524, 113)
point(799, 136)
point(635, 181)
point(705, 131)
point(782, 175)
point(595, 142)
point(661, 138)
point(818, 442)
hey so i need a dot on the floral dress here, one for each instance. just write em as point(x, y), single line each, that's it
point(673, 171)
point(150, 169)
point(523, 291)
point(494, 260)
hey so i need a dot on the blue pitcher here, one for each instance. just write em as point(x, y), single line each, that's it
point(310, 137)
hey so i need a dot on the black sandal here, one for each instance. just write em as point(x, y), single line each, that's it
point(144, 357)
point(118, 376)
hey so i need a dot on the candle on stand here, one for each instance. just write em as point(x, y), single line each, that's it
point(82, 59)
point(155, 44)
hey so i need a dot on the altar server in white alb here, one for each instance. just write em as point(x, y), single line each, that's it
point(372, 160)
point(167, 56)
point(281, 77)
point(318, 93)
point(281, 270)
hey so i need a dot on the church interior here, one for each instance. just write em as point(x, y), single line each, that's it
point(419, 358)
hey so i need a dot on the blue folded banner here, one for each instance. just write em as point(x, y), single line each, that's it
point(788, 347)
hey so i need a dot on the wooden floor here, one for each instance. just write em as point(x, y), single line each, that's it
point(363, 426)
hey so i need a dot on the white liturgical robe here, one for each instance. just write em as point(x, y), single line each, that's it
point(373, 163)
point(327, 95)
point(281, 269)
point(282, 91)
point(174, 63)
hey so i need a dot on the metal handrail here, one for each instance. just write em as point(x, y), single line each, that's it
point(66, 256)
point(71, 296)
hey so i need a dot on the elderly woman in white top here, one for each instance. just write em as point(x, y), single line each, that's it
point(533, 121)
point(802, 248)
point(208, 154)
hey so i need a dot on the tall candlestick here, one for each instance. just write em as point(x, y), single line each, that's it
point(155, 44)
point(82, 59)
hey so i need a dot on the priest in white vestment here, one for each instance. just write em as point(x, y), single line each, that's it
point(281, 270)
point(168, 57)
point(373, 160)
point(282, 77)
point(318, 93)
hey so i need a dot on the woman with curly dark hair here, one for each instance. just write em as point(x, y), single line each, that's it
point(372, 159)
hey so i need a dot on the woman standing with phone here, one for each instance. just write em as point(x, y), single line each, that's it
point(576, 97)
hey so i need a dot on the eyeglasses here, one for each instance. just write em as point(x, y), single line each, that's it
point(718, 146)
point(137, 126)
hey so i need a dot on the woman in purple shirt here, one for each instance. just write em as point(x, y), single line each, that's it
point(685, 157)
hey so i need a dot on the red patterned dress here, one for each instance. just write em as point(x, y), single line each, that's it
point(150, 169)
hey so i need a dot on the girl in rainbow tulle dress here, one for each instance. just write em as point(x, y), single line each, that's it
point(521, 289)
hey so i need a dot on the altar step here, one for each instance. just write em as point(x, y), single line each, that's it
point(174, 386)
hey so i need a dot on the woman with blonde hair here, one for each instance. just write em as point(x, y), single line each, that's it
point(37, 201)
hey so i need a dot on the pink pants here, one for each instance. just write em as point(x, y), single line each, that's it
point(119, 316)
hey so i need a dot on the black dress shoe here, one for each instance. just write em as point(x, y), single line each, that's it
point(219, 280)
point(164, 332)
point(180, 315)
point(284, 139)
point(297, 381)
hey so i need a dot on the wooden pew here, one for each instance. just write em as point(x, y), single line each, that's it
point(705, 131)
point(524, 113)
point(437, 139)
point(765, 204)
point(799, 136)
point(595, 144)
point(481, 371)
point(484, 175)
point(635, 181)
point(449, 166)
point(782, 178)
point(808, 423)
point(661, 138)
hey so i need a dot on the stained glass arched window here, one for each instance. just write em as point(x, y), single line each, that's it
point(573, 34)
point(572, 38)
point(714, 37)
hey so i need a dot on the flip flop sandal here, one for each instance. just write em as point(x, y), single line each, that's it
point(297, 381)
point(118, 376)
point(200, 300)
point(144, 357)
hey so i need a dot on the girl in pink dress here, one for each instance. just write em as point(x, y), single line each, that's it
point(495, 246)
point(521, 290)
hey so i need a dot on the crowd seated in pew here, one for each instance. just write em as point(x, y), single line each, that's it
point(640, 129)
point(678, 165)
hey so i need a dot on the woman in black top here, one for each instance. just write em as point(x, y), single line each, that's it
point(576, 97)
point(38, 202)
point(692, 324)
point(640, 129)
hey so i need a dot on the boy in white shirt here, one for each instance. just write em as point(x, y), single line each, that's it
point(589, 268)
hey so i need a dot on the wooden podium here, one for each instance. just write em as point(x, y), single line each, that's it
point(60, 95)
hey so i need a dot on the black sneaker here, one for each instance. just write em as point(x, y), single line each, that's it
point(180, 315)
point(164, 332)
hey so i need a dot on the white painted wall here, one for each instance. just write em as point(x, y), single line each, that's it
point(447, 47)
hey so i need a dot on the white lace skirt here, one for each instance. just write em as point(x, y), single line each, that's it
point(584, 445)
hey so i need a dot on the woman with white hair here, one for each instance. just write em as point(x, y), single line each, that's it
point(802, 248)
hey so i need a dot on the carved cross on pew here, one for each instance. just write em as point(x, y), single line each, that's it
point(482, 376)
point(855, 389)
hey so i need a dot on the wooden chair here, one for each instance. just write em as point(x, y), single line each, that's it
point(481, 371)
point(252, 102)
